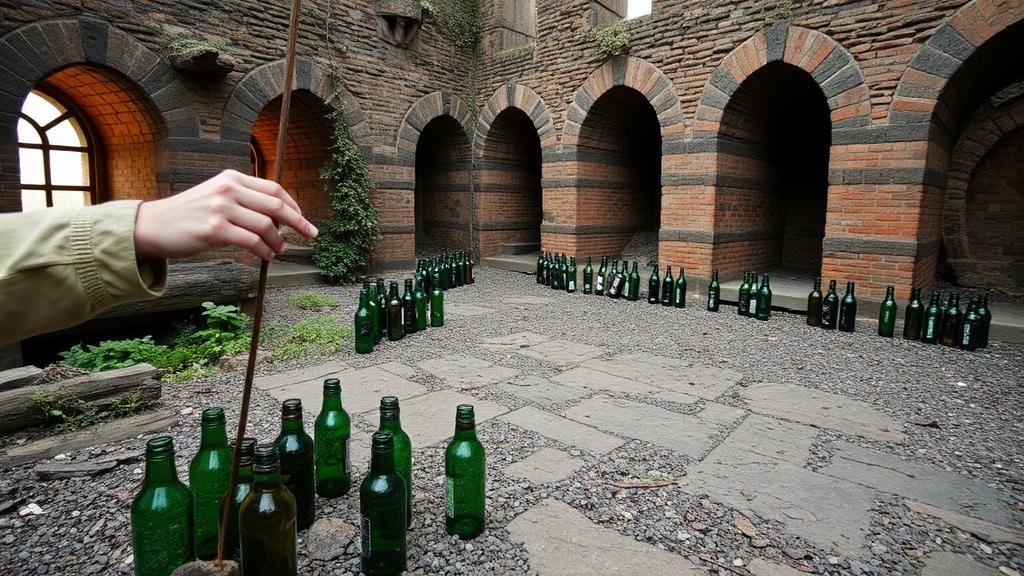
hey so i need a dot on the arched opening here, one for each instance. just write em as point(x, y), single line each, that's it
point(619, 177)
point(772, 188)
point(443, 184)
point(509, 209)
point(305, 152)
point(107, 150)
point(977, 144)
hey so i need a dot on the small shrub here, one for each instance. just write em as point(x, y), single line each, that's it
point(111, 354)
point(193, 372)
point(315, 336)
point(70, 414)
point(612, 39)
point(313, 301)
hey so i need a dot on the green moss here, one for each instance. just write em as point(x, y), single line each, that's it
point(459, 20)
point(313, 301)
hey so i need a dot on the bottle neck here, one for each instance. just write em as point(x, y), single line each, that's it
point(267, 480)
point(213, 437)
point(291, 426)
point(332, 402)
point(161, 470)
point(245, 474)
point(382, 462)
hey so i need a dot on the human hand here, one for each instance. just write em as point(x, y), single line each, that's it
point(230, 209)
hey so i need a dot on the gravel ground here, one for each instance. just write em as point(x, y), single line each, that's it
point(976, 398)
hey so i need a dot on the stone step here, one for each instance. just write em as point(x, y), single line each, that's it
point(283, 273)
point(297, 254)
point(524, 263)
point(516, 248)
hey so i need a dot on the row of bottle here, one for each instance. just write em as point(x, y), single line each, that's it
point(172, 523)
point(934, 324)
point(383, 314)
point(452, 269)
point(560, 273)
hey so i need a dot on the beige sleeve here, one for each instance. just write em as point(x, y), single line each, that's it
point(61, 267)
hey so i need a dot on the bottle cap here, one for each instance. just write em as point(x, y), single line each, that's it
point(382, 442)
point(213, 417)
point(332, 386)
point(291, 409)
point(265, 459)
point(464, 418)
point(248, 448)
point(160, 446)
point(389, 406)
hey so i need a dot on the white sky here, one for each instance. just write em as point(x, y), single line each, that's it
point(638, 8)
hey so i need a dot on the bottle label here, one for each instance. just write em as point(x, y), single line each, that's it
point(753, 306)
point(967, 335)
point(449, 496)
point(572, 284)
point(929, 331)
point(711, 300)
point(365, 529)
point(600, 283)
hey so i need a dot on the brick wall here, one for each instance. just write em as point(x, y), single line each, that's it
point(443, 187)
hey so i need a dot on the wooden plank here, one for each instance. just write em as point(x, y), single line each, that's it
point(61, 470)
point(18, 377)
point(100, 434)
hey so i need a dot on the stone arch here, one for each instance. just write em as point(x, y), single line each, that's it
point(825, 60)
point(630, 72)
point(427, 108)
point(524, 99)
point(36, 51)
point(265, 83)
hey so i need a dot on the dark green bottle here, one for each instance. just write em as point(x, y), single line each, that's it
point(613, 272)
point(295, 449)
point(556, 274)
point(633, 283)
point(460, 270)
point(374, 306)
point(161, 516)
point(743, 300)
point(714, 292)
point(470, 273)
point(465, 478)
point(969, 333)
point(408, 309)
point(547, 269)
point(830, 307)
point(653, 287)
point(679, 296)
point(436, 306)
point(950, 325)
point(390, 422)
point(932, 320)
point(814, 304)
point(588, 278)
point(540, 268)
point(331, 433)
point(913, 317)
point(599, 281)
point(848, 309)
point(985, 321)
point(363, 324)
point(242, 489)
point(570, 282)
point(764, 300)
point(453, 267)
point(208, 476)
point(382, 508)
point(267, 520)
point(887, 314)
point(420, 299)
point(382, 305)
point(667, 287)
point(396, 328)
point(754, 291)
point(616, 283)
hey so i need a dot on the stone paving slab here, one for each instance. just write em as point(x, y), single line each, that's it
point(563, 542)
point(589, 379)
point(319, 372)
point(828, 511)
point(399, 369)
point(430, 418)
point(562, 352)
point(467, 310)
point(545, 465)
point(514, 341)
point(462, 370)
point(941, 563)
point(773, 438)
point(822, 410)
point(987, 531)
point(360, 390)
point(684, 433)
point(670, 373)
point(540, 390)
point(563, 430)
point(927, 484)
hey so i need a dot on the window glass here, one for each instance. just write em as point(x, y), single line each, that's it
point(32, 200)
point(65, 134)
point(32, 167)
point(27, 133)
point(69, 168)
point(66, 180)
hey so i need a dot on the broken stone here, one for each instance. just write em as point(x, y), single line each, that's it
point(745, 526)
point(328, 538)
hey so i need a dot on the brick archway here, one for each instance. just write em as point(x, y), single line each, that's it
point(522, 98)
point(427, 108)
point(32, 53)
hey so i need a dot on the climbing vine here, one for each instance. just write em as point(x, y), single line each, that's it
point(459, 20)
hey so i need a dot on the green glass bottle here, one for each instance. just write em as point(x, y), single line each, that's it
point(848, 309)
point(408, 309)
point(814, 304)
point(667, 287)
point(420, 300)
point(969, 334)
point(714, 292)
point(540, 268)
point(242, 489)
point(382, 305)
point(653, 287)
point(390, 422)
point(613, 273)
point(296, 449)
point(601, 273)
point(830, 307)
point(764, 300)
point(465, 478)
point(754, 291)
point(208, 476)
point(374, 306)
point(547, 270)
point(436, 306)
point(588, 278)
point(268, 520)
point(556, 274)
point(363, 324)
point(616, 285)
point(382, 508)
point(571, 273)
point(633, 283)
point(396, 325)
point(985, 321)
point(460, 270)
point(913, 317)
point(932, 320)
point(331, 433)
point(950, 325)
point(679, 296)
point(470, 272)
point(743, 300)
point(161, 515)
point(887, 314)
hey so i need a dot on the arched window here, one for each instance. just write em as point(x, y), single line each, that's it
point(55, 154)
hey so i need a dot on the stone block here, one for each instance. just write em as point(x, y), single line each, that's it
point(563, 430)
point(461, 370)
point(545, 465)
point(540, 391)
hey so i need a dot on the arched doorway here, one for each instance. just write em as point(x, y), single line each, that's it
point(772, 187)
point(443, 185)
point(619, 176)
point(509, 208)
